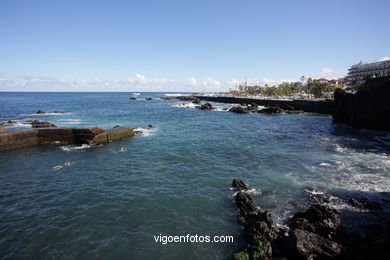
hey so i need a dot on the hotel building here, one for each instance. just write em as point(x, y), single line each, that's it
point(358, 73)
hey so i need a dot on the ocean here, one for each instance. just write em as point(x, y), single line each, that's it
point(173, 179)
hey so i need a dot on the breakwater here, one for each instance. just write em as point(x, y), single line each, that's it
point(19, 139)
point(311, 106)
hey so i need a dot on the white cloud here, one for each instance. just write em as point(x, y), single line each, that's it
point(326, 71)
point(136, 83)
point(384, 58)
point(192, 81)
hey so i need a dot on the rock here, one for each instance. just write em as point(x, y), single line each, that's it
point(239, 110)
point(242, 255)
point(40, 136)
point(39, 112)
point(148, 98)
point(149, 126)
point(286, 107)
point(167, 98)
point(186, 98)
point(1, 130)
point(41, 124)
point(132, 98)
point(368, 108)
point(319, 219)
point(239, 184)
point(196, 101)
point(270, 110)
point(8, 123)
point(364, 203)
point(206, 106)
point(312, 246)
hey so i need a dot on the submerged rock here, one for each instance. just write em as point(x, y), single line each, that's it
point(148, 98)
point(132, 98)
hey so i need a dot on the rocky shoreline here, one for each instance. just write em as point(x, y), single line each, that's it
point(317, 233)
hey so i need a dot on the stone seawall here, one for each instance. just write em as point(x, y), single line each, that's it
point(312, 106)
point(20, 139)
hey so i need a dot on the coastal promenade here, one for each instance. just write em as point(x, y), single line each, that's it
point(306, 105)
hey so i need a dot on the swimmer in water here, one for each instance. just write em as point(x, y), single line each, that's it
point(67, 164)
point(122, 150)
point(62, 166)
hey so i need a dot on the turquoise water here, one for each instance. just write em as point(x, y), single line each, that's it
point(173, 179)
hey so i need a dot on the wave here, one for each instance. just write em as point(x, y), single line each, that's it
point(17, 125)
point(174, 95)
point(69, 148)
point(147, 131)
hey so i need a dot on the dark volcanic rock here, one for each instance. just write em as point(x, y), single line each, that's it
point(39, 112)
point(239, 110)
point(368, 108)
point(364, 203)
point(196, 101)
point(319, 219)
point(286, 107)
point(148, 98)
point(239, 184)
point(309, 245)
point(186, 98)
point(41, 124)
point(206, 106)
point(270, 110)
point(132, 98)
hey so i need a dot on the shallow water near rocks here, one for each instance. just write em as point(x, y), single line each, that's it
point(174, 179)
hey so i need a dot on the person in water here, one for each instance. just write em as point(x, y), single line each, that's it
point(122, 150)
point(62, 166)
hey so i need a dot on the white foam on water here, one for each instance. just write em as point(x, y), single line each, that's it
point(325, 164)
point(147, 131)
point(186, 105)
point(254, 192)
point(69, 148)
point(174, 95)
point(17, 124)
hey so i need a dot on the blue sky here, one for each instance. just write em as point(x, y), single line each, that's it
point(183, 45)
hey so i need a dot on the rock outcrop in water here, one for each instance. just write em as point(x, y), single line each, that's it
point(317, 233)
point(367, 108)
point(206, 106)
point(92, 136)
point(41, 124)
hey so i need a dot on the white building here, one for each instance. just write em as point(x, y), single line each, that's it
point(358, 73)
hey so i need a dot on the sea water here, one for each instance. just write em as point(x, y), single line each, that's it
point(173, 179)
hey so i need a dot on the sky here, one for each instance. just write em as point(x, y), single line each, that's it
point(184, 45)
